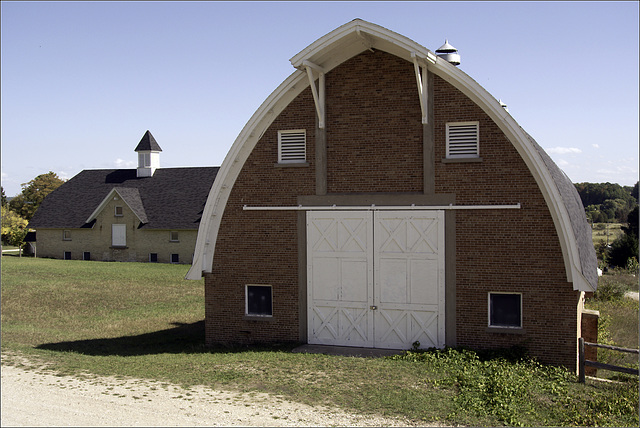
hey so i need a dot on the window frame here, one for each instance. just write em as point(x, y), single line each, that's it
point(490, 307)
point(66, 235)
point(463, 156)
point(86, 255)
point(171, 236)
point(115, 211)
point(177, 256)
point(246, 301)
point(295, 158)
point(66, 255)
point(151, 256)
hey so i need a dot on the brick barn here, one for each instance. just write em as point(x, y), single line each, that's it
point(380, 197)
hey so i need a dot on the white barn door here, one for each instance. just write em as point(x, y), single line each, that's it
point(375, 279)
point(409, 279)
point(340, 278)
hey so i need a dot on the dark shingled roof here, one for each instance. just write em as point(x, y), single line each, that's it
point(148, 143)
point(172, 199)
point(578, 218)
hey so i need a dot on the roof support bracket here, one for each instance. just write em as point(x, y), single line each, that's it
point(421, 81)
point(318, 91)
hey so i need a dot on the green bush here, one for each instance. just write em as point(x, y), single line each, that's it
point(609, 288)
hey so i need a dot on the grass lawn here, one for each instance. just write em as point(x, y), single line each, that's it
point(144, 320)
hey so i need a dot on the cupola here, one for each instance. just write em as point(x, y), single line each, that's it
point(448, 53)
point(148, 155)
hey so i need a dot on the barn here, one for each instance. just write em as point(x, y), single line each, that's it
point(381, 198)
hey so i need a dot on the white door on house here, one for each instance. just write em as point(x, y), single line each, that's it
point(118, 235)
point(375, 279)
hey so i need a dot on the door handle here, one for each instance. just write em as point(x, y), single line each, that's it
point(373, 308)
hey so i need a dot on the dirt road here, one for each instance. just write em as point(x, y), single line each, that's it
point(32, 397)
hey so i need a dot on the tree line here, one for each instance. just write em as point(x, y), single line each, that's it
point(607, 202)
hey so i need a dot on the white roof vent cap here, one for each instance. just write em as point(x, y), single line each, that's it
point(448, 53)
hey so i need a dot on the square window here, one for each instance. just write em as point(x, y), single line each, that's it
point(66, 235)
point(292, 146)
point(175, 258)
point(153, 257)
point(86, 255)
point(118, 211)
point(259, 300)
point(505, 310)
point(67, 255)
point(463, 140)
point(174, 236)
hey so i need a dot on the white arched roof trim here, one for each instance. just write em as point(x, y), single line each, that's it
point(328, 52)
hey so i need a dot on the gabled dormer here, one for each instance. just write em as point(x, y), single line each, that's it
point(148, 155)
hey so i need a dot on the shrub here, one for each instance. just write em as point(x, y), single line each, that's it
point(609, 288)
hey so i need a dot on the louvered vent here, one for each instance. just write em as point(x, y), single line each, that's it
point(462, 140)
point(292, 146)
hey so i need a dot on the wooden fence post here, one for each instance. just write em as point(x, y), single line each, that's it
point(581, 358)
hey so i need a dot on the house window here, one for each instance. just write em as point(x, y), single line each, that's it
point(66, 235)
point(463, 140)
point(292, 146)
point(67, 255)
point(175, 258)
point(86, 255)
point(153, 257)
point(259, 300)
point(118, 211)
point(173, 237)
point(118, 235)
point(505, 310)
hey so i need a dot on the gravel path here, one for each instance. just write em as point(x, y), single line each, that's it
point(32, 397)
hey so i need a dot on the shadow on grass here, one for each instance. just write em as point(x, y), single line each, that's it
point(181, 339)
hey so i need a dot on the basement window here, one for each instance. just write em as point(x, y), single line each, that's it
point(67, 255)
point(175, 258)
point(463, 140)
point(258, 300)
point(86, 255)
point(153, 257)
point(505, 310)
point(292, 146)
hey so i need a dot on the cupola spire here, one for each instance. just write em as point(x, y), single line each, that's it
point(148, 155)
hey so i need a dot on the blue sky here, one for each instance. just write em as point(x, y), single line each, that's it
point(83, 81)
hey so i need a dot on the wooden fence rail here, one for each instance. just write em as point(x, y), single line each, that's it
point(584, 362)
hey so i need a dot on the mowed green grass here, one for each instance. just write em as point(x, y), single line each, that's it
point(145, 321)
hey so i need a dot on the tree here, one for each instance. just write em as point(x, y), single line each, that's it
point(33, 193)
point(14, 228)
point(622, 249)
point(4, 197)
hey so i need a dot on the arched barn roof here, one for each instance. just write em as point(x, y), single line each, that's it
point(351, 39)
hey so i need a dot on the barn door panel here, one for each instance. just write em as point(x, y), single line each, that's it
point(340, 278)
point(376, 279)
point(409, 279)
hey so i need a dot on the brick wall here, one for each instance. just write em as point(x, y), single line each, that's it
point(503, 250)
point(374, 144)
point(260, 247)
